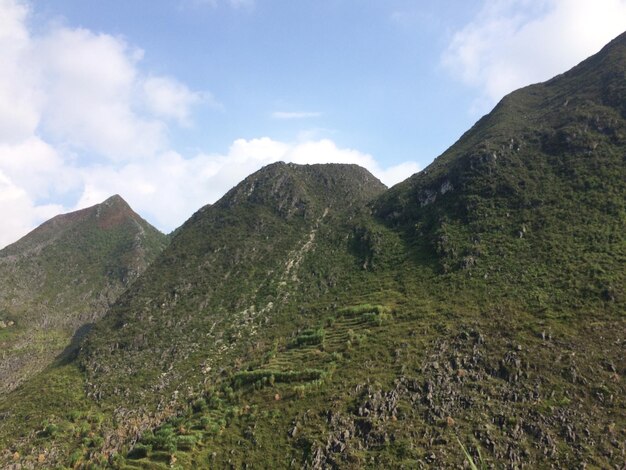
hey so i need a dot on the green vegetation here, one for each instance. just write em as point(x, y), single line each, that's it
point(63, 276)
point(469, 458)
point(311, 318)
point(308, 337)
point(363, 309)
point(275, 376)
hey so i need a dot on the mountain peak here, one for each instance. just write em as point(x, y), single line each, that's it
point(291, 188)
point(116, 199)
point(112, 212)
point(575, 112)
point(64, 274)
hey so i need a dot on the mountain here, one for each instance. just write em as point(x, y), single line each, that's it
point(312, 318)
point(232, 265)
point(538, 184)
point(61, 277)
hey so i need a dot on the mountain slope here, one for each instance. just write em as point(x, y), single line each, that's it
point(535, 187)
point(312, 319)
point(62, 276)
point(233, 264)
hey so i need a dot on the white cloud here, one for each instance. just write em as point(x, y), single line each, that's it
point(90, 81)
point(69, 97)
point(31, 172)
point(19, 98)
point(37, 168)
point(294, 114)
point(170, 99)
point(78, 115)
point(397, 173)
point(168, 189)
point(513, 43)
point(85, 91)
point(18, 211)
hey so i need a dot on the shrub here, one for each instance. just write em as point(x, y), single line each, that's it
point(49, 430)
point(299, 391)
point(186, 442)
point(199, 405)
point(249, 377)
point(93, 442)
point(76, 457)
point(74, 415)
point(163, 439)
point(308, 338)
point(96, 418)
point(363, 308)
point(140, 451)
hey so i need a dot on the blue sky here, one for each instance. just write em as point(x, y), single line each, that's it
point(171, 103)
point(367, 74)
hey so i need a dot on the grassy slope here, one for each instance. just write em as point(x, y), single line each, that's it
point(64, 275)
point(492, 312)
point(532, 197)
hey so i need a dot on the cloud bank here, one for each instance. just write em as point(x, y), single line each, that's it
point(170, 188)
point(513, 43)
point(81, 120)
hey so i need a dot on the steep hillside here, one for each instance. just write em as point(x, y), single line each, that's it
point(62, 277)
point(311, 319)
point(531, 199)
point(231, 267)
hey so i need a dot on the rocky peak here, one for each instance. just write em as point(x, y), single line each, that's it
point(293, 189)
point(115, 201)
point(578, 114)
point(113, 212)
point(64, 274)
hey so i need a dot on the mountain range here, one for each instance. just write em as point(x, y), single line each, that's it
point(472, 315)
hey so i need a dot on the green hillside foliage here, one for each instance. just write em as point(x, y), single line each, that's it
point(531, 199)
point(62, 277)
point(471, 315)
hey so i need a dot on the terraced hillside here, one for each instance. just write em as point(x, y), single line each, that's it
point(229, 268)
point(313, 319)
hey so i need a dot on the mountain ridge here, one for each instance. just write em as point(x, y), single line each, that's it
point(63, 275)
point(532, 95)
point(284, 212)
point(548, 153)
point(312, 318)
